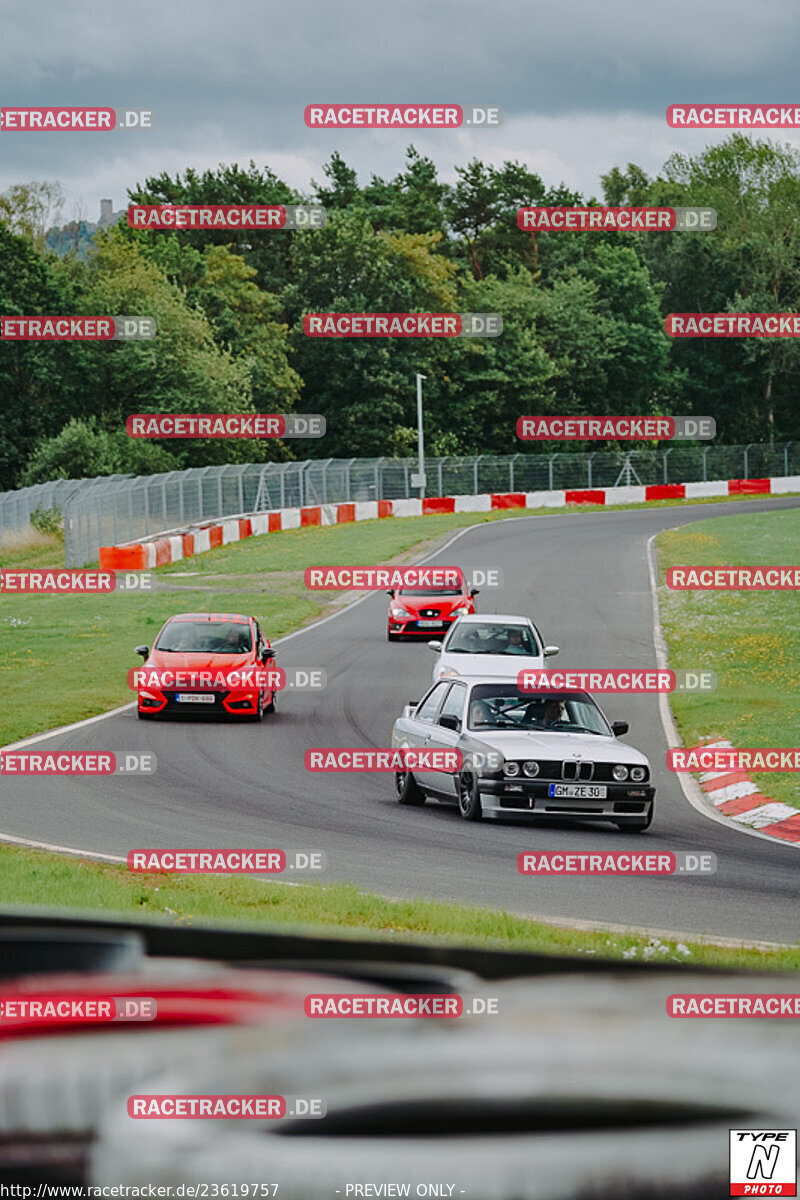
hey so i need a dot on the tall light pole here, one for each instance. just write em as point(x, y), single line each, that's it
point(419, 479)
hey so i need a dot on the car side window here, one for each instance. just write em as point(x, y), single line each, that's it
point(454, 702)
point(427, 709)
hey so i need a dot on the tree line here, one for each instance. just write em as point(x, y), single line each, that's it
point(583, 313)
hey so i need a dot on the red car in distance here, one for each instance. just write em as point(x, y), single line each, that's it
point(416, 611)
point(215, 644)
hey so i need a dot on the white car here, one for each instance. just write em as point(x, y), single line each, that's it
point(499, 646)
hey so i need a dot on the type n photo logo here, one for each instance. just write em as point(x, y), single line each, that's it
point(763, 1162)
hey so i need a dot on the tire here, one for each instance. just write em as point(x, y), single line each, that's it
point(270, 708)
point(469, 799)
point(391, 637)
point(256, 717)
point(638, 826)
point(409, 793)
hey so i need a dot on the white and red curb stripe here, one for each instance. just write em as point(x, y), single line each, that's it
point(171, 547)
point(734, 794)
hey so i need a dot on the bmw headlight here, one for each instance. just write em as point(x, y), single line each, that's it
point(620, 773)
point(531, 769)
point(511, 768)
point(638, 774)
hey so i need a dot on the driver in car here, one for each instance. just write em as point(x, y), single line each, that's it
point(234, 642)
point(515, 644)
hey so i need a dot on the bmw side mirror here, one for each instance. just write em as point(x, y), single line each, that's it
point(618, 728)
point(450, 721)
point(475, 592)
point(391, 593)
point(435, 646)
point(267, 655)
point(549, 651)
point(143, 650)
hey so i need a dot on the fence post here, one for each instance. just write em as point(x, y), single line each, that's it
point(786, 449)
point(589, 467)
point(475, 476)
point(512, 463)
point(552, 459)
point(666, 456)
point(747, 461)
point(241, 490)
point(705, 462)
point(439, 471)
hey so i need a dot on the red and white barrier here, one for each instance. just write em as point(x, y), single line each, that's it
point(179, 544)
point(736, 795)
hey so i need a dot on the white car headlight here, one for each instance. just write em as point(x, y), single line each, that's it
point(400, 614)
point(511, 768)
point(638, 774)
point(620, 773)
point(531, 769)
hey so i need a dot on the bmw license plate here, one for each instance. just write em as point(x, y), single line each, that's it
point(429, 624)
point(194, 698)
point(578, 791)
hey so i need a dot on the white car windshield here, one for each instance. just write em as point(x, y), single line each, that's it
point(503, 706)
point(491, 638)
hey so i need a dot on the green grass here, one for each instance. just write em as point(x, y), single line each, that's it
point(751, 639)
point(72, 884)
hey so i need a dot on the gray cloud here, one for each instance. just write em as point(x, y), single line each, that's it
point(584, 86)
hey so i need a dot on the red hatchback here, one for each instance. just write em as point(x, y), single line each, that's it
point(427, 611)
point(215, 664)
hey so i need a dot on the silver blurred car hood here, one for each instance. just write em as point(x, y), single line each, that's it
point(538, 743)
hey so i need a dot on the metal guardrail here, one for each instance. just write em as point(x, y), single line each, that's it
point(109, 510)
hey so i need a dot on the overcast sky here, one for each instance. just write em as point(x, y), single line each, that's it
point(584, 85)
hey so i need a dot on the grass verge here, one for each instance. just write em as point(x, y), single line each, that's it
point(79, 884)
point(751, 639)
